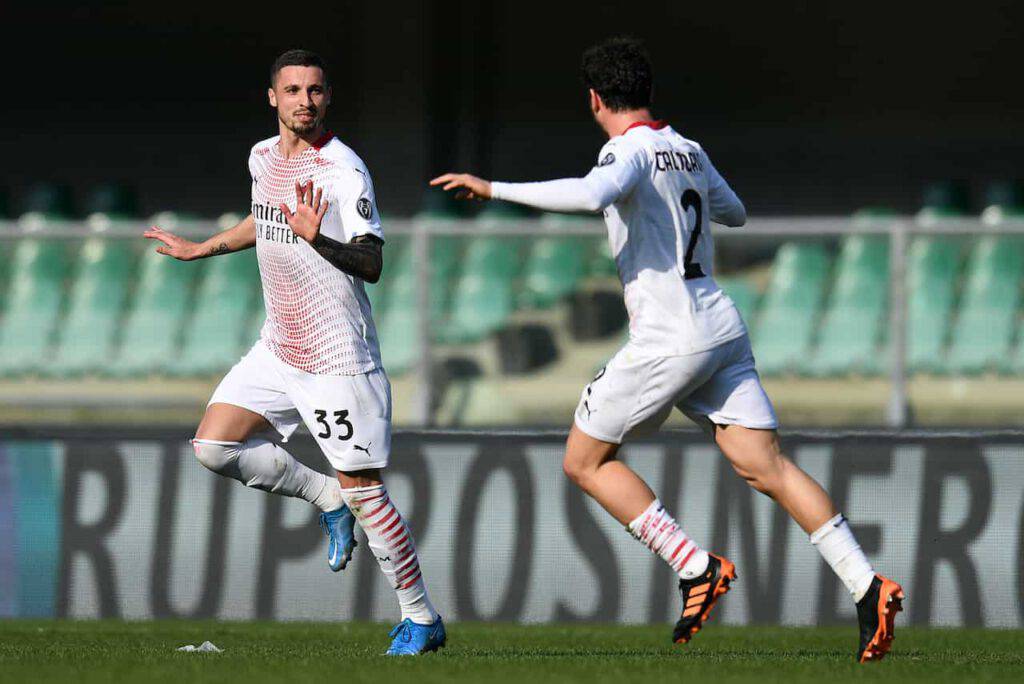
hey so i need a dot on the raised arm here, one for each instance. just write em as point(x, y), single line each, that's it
point(606, 182)
point(360, 257)
point(234, 239)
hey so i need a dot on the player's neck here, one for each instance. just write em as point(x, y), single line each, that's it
point(292, 143)
point(618, 123)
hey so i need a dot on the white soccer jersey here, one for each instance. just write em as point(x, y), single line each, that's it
point(318, 318)
point(659, 192)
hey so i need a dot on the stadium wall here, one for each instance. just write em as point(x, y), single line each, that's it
point(123, 523)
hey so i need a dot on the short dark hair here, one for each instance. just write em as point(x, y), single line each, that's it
point(619, 70)
point(297, 58)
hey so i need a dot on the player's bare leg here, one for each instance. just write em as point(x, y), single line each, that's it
point(757, 457)
point(228, 443)
point(703, 577)
point(391, 541)
point(592, 465)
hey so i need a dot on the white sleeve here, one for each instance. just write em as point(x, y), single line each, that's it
point(724, 206)
point(354, 207)
point(610, 180)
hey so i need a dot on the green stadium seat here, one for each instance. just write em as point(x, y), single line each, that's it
point(854, 322)
point(742, 293)
point(114, 200)
point(933, 265)
point(396, 324)
point(96, 305)
point(933, 269)
point(986, 324)
point(785, 325)
point(34, 299)
point(221, 315)
point(155, 325)
point(602, 263)
point(484, 294)
point(48, 200)
point(555, 264)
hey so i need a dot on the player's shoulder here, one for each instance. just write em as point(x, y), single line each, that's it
point(619, 149)
point(264, 146)
point(342, 156)
point(348, 169)
point(689, 142)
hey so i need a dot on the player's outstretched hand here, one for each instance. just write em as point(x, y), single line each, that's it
point(173, 246)
point(465, 185)
point(310, 208)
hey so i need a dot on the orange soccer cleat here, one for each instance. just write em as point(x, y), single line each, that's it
point(699, 596)
point(876, 613)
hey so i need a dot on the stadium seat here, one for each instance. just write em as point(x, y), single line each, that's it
point(985, 326)
point(51, 201)
point(97, 297)
point(933, 269)
point(113, 200)
point(34, 298)
point(785, 325)
point(742, 293)
point(157, 313)
point(223, 309)
point(602, 263)
point(484, 293)
point(854, 322)
point(555, 264)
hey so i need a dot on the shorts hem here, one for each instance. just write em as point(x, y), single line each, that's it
point(361, 466)
point(593, 433)
point(285, 431)
point(750, 425)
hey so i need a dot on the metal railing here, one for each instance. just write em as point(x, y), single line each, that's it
point(898, 229)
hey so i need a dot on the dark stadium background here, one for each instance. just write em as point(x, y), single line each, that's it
point(807, 107)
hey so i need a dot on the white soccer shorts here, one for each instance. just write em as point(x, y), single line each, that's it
point(349, 416)
point(635, 393)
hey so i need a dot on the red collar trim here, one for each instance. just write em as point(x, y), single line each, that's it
point(324, 139)
point(656, 125)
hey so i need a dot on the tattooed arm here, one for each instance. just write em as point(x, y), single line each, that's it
point(361, 257)
point(242, 236)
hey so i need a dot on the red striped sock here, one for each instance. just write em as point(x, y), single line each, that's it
point(658, 531)
point(391, 542)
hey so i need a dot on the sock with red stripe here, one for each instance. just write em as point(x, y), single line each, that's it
point(391, 542)
point(658, 531)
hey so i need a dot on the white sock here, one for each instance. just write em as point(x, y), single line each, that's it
point(264, 465)
point(393, 546)
point(658, 531)
point(834, 541)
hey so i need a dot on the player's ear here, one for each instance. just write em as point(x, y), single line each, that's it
point(272, 97)
point(595, 102)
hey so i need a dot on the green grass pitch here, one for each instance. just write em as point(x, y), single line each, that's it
point(63, 651)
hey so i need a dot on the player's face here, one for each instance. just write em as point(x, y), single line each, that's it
point(301, 96)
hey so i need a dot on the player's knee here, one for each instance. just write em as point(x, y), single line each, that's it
point(215, 455)
point(576, 470)
point(765, 474)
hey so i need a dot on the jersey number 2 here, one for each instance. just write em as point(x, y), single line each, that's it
point(691, 269)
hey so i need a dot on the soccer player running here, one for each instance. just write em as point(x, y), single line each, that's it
point(688, 347)
point(317, 234)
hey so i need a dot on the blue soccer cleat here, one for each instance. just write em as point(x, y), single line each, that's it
point(410, 638)
point(338, 525)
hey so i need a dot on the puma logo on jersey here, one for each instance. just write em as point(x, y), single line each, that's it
point(365, 448)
